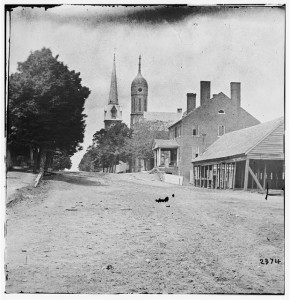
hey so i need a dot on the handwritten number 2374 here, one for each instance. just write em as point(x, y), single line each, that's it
point(266, 261)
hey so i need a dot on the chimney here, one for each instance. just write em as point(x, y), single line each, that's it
point(179, 110)
point(191, 102)
point(204, 92)
point(236, 93)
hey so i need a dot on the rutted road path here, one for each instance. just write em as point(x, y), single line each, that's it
point(98, 233)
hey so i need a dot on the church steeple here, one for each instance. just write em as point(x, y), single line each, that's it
point(139, 95)
point(113, 111)
point(139, 70)
point(113, 97)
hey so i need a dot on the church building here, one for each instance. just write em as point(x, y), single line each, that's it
point(139, 105)
point(139, 96)
point(113, 111)
point(159, 121)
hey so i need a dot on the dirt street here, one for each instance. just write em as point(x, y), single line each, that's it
point(98, 233)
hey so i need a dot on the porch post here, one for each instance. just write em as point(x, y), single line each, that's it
point(234, 177)
point(157, 157)
point(226, 176)
point(200, 176)
point(265, 175)
point(206, 175)
point(246, 174)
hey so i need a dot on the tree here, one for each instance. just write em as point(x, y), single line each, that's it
point(90, 161)
point(45, 106)
point(61, 161)
point(141, 143)
point(108, 149)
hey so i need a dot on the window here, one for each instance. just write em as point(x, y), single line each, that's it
point(221, 112)
point(139, 104)
point(114, 112)
point(177, 131)
point(195, 130)
point(221, 130)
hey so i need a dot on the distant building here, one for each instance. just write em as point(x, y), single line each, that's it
point(139, 96)
point(139, 104)
point(160, 121)
point(250, 158)
point(201, 126)
point(113, 111)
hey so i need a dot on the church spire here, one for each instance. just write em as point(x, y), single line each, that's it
point(139, 70)
point(113, 97)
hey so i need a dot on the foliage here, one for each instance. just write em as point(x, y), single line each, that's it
point(61, 161)
point(108, 148)
point(141, 143)
point(46, 103)
point(89, 162)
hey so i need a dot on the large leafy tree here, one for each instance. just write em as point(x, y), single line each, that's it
point(108, 148)
point(141, 143)
point(45, 105)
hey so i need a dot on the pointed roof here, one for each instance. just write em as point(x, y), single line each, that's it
point(139, 69)
point(113, 97)
point(139, 80)
point(239, 142)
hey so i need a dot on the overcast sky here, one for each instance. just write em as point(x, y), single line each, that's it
point(179, 48)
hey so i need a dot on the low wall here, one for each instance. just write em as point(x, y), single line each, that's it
point(174, 179)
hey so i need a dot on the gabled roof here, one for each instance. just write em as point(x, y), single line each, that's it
point(186, 114)
point(167, 144)
point(239, 142)
point(162, 116)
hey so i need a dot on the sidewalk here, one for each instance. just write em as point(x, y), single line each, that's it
point(17, 180)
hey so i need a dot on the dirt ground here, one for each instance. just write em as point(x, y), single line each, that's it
point(18, 180)
point(105, 234)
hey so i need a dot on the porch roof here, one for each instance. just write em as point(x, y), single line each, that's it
point(165, 144)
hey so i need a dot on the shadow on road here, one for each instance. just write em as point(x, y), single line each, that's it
point(73, 180)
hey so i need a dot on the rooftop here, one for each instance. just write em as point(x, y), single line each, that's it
point(162, 116)
point(239, 142)
point(167, 144)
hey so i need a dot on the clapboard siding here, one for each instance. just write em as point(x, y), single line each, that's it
point(271, 146)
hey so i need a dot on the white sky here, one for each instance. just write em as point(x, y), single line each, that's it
point(244, 44)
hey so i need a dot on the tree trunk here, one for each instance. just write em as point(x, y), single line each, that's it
point(42, 164)
point(37, 159)
point(49, 161)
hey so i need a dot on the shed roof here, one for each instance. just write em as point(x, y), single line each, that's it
point(167, 144)
point(239, 142)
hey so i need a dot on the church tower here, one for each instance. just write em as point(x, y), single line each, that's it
point(139, 94)
point(113, 111)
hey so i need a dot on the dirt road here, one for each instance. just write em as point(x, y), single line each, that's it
point(94, 233)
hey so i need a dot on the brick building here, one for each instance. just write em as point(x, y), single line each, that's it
point(201, 126)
